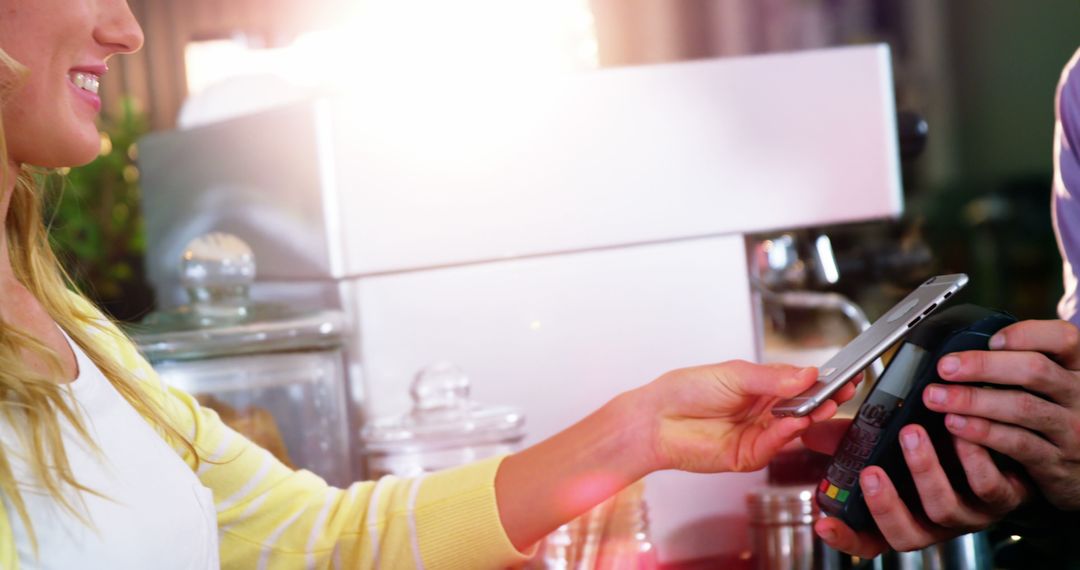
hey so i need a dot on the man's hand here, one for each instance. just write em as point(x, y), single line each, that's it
point(949, 515)
point(1038, 426)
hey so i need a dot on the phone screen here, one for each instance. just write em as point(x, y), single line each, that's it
point(906, 361)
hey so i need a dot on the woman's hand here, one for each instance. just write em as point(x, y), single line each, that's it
point(718, 417)
point(706, 419)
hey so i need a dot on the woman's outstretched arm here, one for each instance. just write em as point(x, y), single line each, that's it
point(707, 419)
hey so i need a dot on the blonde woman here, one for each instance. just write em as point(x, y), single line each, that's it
point(103, 467)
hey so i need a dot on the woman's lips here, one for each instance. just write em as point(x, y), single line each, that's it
point(86, 84)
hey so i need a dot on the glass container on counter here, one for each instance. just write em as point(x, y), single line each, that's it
point(274, 374)
point(445, 428)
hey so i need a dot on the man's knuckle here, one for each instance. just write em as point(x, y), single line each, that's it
point(978, 430)
point(1012, 502)
point(991, 492)
point(976, 363)
point(1033, 367)
point(1049, 468)
point(919, 465)
point(1071, 432)
point(879, 508)
point(945, 511)
point(964, 397)
point(1015, 444)
point(1068, 456)
point(1070, 336)
point(904, 544)
point(966, 452)
point(1028, 406)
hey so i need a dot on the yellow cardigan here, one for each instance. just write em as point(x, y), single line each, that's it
point(270, 516)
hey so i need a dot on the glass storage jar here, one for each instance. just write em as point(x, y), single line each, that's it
point(274, 374)
point(444, 429)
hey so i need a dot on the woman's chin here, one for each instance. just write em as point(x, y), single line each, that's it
point(84, 153)
point(70, 158)
point(79, 147)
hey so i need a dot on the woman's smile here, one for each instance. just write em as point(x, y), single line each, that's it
point(85, 82)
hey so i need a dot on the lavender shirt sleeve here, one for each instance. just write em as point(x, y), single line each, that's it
point(1066, 202)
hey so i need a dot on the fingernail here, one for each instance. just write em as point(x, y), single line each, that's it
point(937, 394)
point(910, 440)
point(955, 422)
point(828, 535)
point(871, 484)
point(997, 342)
point(949, 364)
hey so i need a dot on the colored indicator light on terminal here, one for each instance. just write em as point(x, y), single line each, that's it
point(832, 492)
point(842, 495)
point(824, 486)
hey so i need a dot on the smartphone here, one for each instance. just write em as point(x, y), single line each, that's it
point(860, 352)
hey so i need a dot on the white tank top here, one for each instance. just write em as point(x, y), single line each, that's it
point(155, 513)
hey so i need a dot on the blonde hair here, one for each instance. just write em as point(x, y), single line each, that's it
point(29, 398)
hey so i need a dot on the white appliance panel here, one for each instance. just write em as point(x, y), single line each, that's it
point(615, 157)
point(386, 180)
point(560, 336)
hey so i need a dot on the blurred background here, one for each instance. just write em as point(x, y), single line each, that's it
point(982, 73)
point(393, 209)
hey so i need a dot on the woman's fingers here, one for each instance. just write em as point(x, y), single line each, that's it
point(824, 411)
point(847, 392)
point(778, 380)
point(774, 437)
point(825, 437)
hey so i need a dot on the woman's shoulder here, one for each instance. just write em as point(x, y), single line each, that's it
point(108, 337)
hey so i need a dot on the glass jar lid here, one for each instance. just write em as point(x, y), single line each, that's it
point(221, 319)
point(443, 417)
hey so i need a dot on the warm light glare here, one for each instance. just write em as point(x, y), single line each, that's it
point(416, 42)
point(106, 145)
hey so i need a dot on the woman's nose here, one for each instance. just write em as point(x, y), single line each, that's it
point(117, 28)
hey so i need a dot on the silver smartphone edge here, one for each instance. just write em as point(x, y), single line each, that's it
point(809, 400)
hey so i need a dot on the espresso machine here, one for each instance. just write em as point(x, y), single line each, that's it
point(560, 240)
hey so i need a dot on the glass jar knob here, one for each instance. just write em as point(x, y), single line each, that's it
point(438, 389)
point(217, 270)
